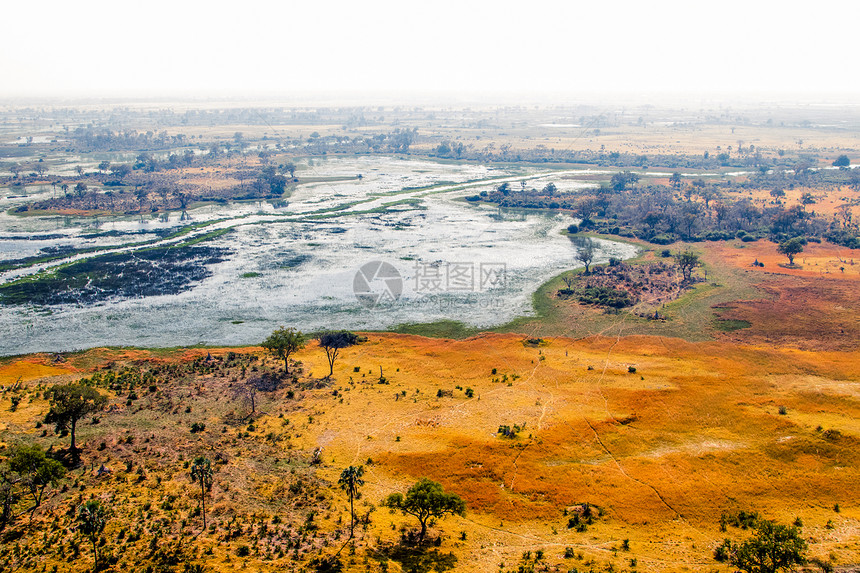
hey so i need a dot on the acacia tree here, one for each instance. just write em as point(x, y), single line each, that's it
point(70, 403)
point(687, 261)
point(842, 161)
point(791, 248)
point(586, 254)
point(622, 180)
point(92, 518)
point(35, 471)
point(121, 170)
point(350, 480)
point(283, 342)
point(568, 281)
point(8, 495)
point(332, 342)
point(425, 500)
point(201, 473)
point(772, 548)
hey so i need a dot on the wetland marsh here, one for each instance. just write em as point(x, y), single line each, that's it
point(287, 264)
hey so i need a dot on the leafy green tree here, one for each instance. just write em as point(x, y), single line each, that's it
point(687, 261)
point(772, 548)
point(70, 403)
point(807, 199)
point(707, 194)
point(350, 480)
point(35, 470)
point(333, 342)
point(92, 518)
point(201, 473)
point(283, 342)
point(10, 494)
point(791, 248)
point(425, 500)
point(277, 185)
point(842, 161)
point(622, 180)
point(121, 170)
point(586, 254)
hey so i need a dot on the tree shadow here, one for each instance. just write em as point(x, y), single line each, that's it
point(418, 558)
point(329, 564)
point(71, 459)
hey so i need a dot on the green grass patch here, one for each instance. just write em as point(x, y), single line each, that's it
point(204, 237)
point(690, 317)
point(330, 179)
point(730, 324)
point(50, 257)
point(144, 272)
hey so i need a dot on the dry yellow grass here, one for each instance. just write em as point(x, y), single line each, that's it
point(663, 451)
point(31, 368)
point(694, 432)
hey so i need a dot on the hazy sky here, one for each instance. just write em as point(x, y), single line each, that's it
point(177, 47)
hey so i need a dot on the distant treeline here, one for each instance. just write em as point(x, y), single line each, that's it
point(697, 210)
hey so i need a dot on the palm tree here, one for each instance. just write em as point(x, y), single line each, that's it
point(92, 518)
point(350, 480)
point(201, 472)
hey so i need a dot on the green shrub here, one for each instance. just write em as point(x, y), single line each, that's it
point(605, 296)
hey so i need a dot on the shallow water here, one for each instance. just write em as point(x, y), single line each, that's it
point(291, 267)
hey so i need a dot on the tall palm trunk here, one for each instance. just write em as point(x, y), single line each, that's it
point(351, 519)
point(203, 501)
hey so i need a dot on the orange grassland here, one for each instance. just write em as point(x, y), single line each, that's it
point(814, 306)
point(695, 431)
